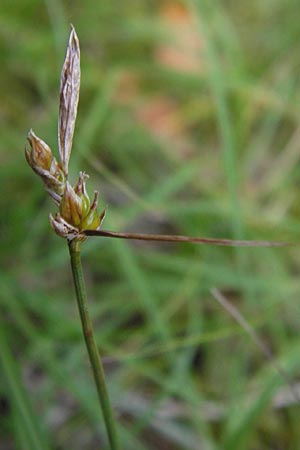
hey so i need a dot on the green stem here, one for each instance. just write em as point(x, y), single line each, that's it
point(87, 327)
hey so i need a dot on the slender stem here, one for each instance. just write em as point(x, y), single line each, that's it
point(176, 238)
point(95, 360)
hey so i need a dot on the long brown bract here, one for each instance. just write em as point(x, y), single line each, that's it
point(69, 96)
point(176, 238)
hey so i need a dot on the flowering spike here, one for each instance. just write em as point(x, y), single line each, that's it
point(93, 220)
point(41, 160)
point(71, 206)
point(102, 217)
point(64, 229)
point(76, 212)
point(95, 201)
point(69, 96)
point(80, 189)
point(40, 154)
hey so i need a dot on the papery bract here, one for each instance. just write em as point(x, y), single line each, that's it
point(69, 96)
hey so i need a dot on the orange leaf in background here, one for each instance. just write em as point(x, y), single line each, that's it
point(184, 52)
point(128, 88)
point(181, 52)
point(159, 115)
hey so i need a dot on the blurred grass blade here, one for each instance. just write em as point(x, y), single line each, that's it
point(36, 440)
point(203, 12)
point(232, 310)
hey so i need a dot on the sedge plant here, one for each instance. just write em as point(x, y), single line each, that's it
point(78, 216)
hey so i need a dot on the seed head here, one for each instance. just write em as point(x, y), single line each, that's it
point(40, 154)
point(76, 209)
point(64, 229)
point(76, 212)
point(70, 207)
point(40, 158)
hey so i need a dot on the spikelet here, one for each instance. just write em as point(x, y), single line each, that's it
point(76, 211)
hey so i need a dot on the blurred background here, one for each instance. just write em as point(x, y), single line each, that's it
point(188, 123)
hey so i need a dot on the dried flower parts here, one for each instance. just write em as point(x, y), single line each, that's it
point(76, 211)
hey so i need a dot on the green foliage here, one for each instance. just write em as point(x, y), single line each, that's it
point(188, 123)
